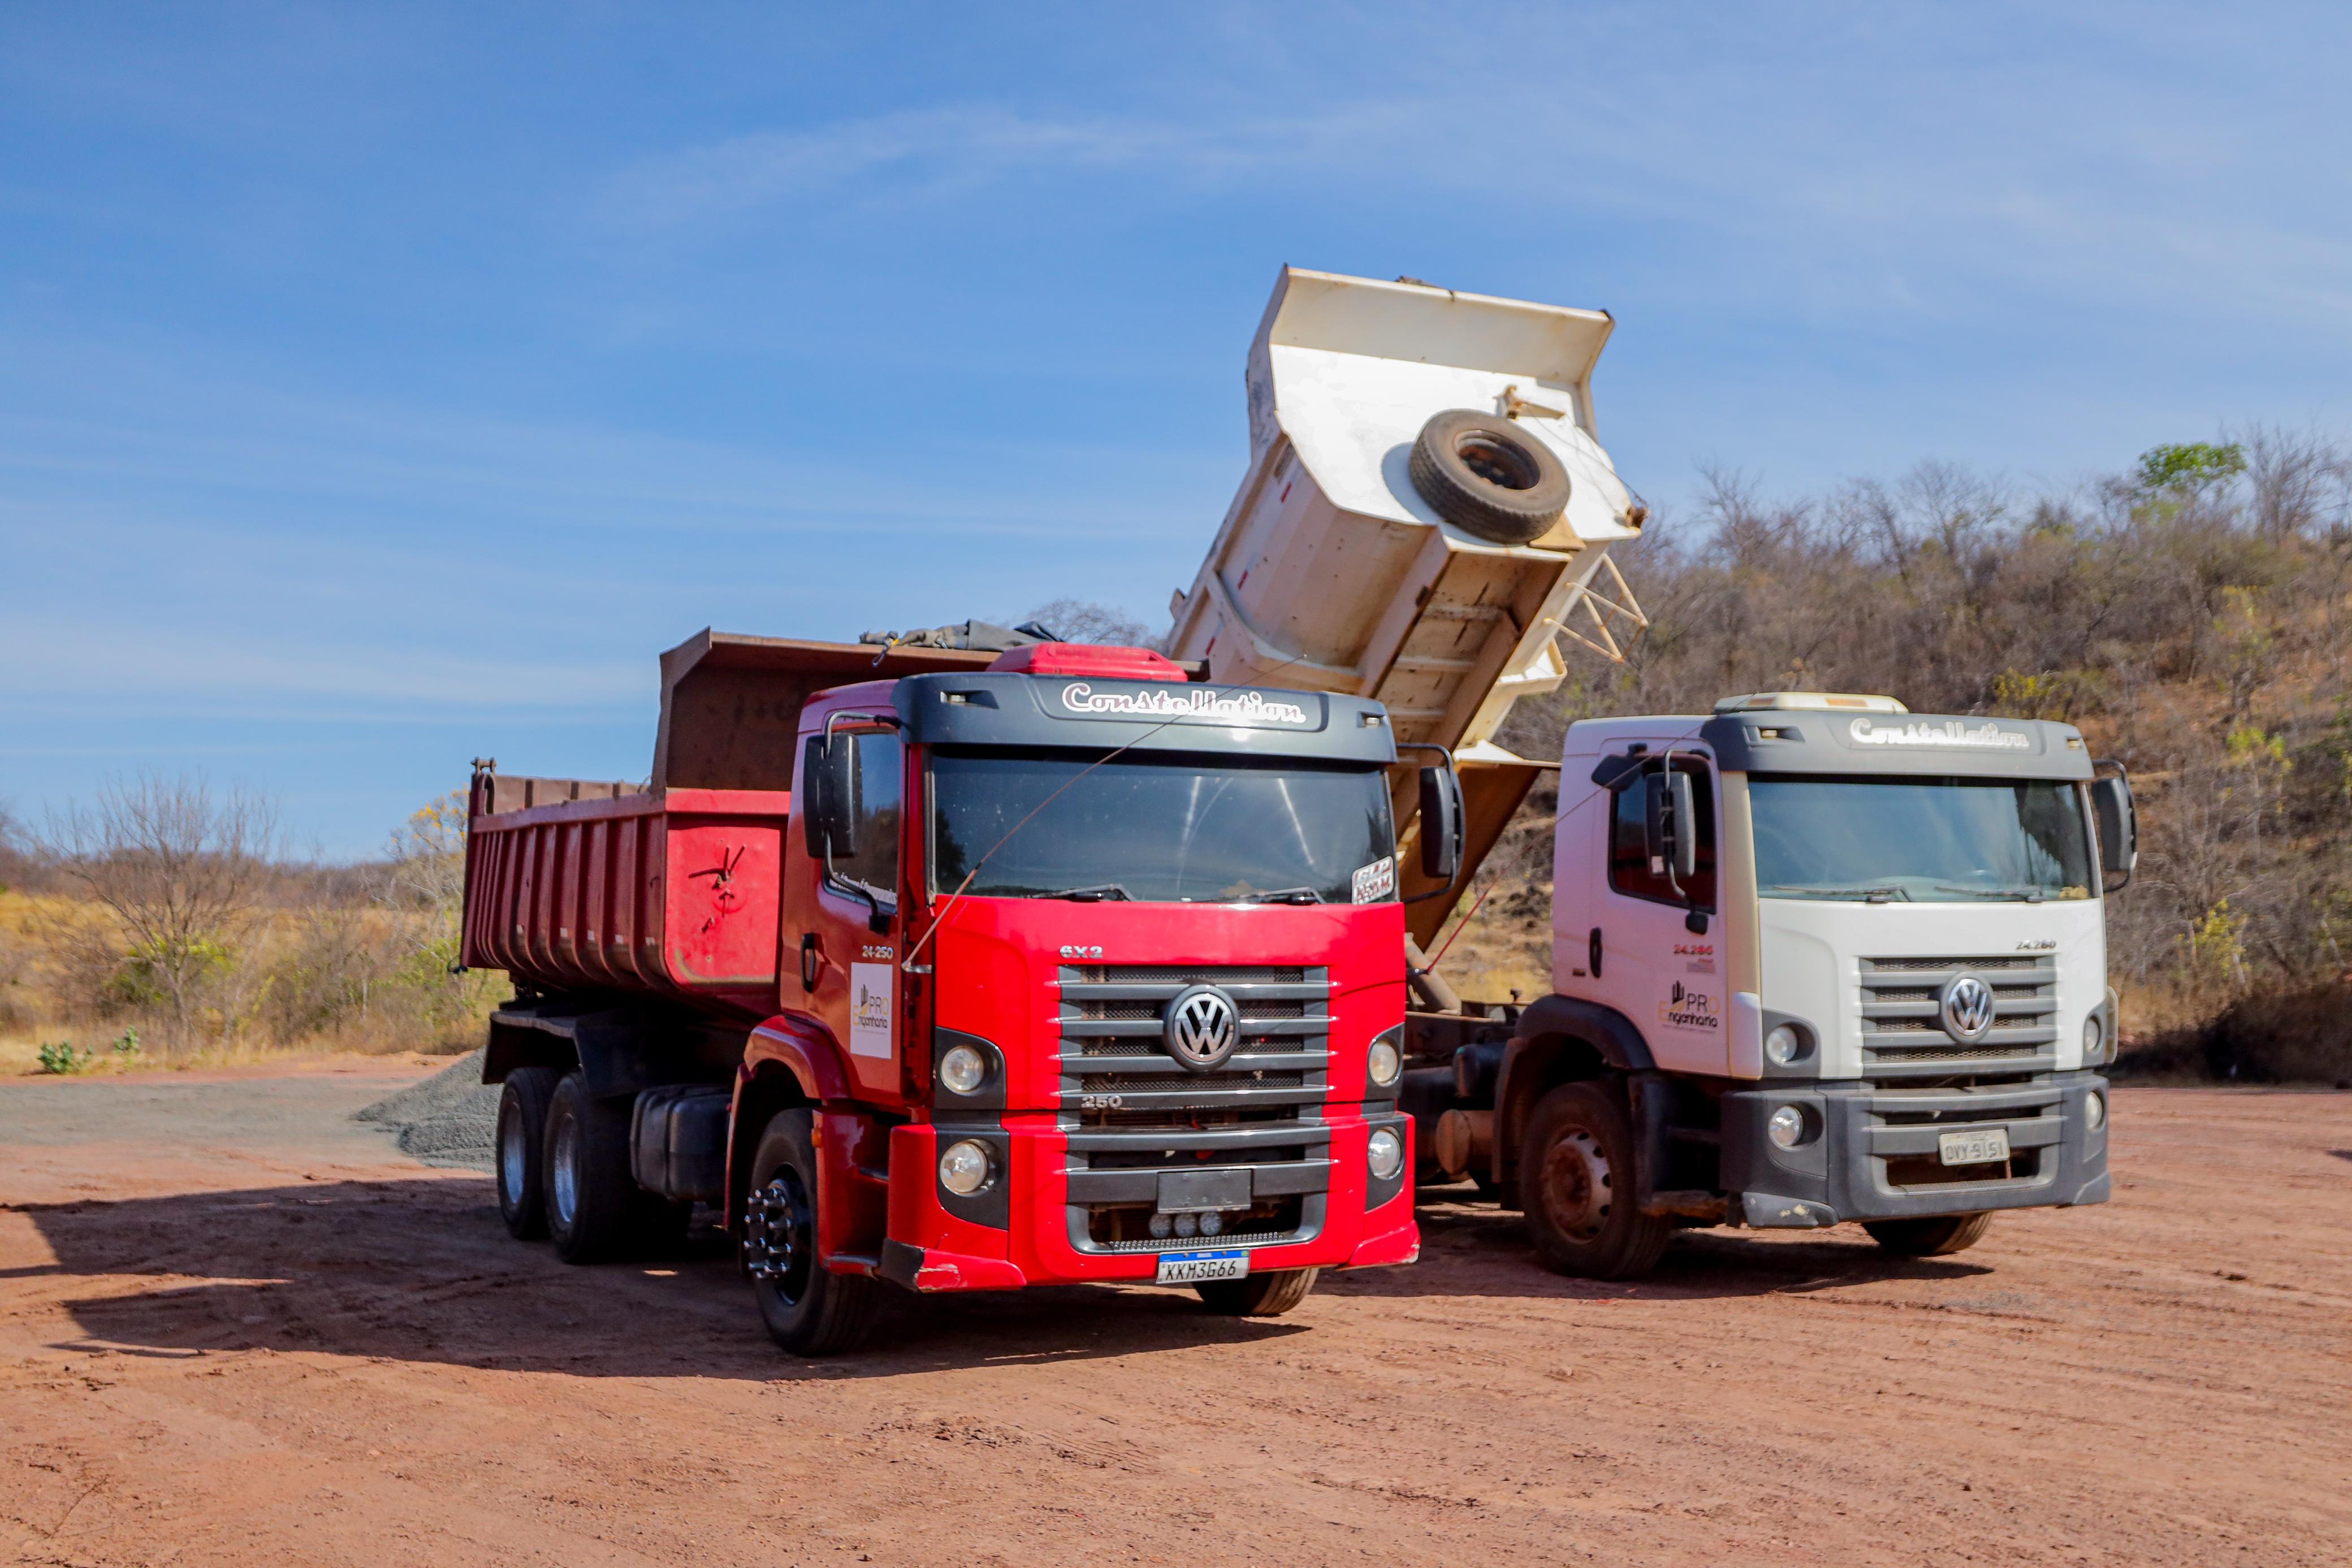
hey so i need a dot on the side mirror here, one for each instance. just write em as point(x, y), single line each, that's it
point(843, 793)
point(808, 804)
point(2118, 820)
point(1441, 823)
point(1670, 825)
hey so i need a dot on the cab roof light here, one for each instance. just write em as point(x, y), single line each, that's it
point(1810, 702)
point(1087, 659)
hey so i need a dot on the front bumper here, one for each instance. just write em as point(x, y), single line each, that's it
point(1873, 1151)
point(1059, 1182)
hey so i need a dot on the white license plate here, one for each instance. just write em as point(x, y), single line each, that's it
point(1985, 1149)
point(1192, 1268)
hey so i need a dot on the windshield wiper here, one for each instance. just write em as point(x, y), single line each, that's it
point(2029, 894)
point(1093, 893)
point(1868, 894)
point(1286, 895)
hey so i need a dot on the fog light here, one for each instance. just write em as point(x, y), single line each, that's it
point(1787, 1127)
point(2095, 1110)
point(966, 1168)
point(1385, 1154)
point(1211, 1224)
point(1783, 1045)
point(963, 1070)
point(1386, 1061)
point(1186, 1224)
point(1161, 1224)
point(2093, 1035)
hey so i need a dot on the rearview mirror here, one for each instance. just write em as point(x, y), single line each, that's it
point(2118, 820)
point(1441, 823)
point(1670, 825)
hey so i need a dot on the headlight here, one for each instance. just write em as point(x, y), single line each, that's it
point(1387, 1062)
point(1385, 1154)
point(2095, 1110)
point(2093, 1036)
point(963, 1070)
point(1787, 1127)
point(1783, 1045)
point(966, 1167)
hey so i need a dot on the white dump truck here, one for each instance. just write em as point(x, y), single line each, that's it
point(1816, 959)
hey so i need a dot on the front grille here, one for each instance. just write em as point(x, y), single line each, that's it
point(1117, 1171)
point(1903, 1034)
point(1109, 1016)
point(1128, 1228)
point(1927, 1170)
point(1906, 1125)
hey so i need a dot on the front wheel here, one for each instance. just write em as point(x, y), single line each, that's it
point(808, 1310)
point(1932, 1236)
point(1576, 1185)
point(1266, 1295)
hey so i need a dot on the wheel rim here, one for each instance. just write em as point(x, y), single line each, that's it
point(567, 1173)
point(1576, 1188)
point(514, 1154)
point(779, 1236)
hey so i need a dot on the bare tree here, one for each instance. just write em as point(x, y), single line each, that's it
point(1086, 621)
point(181, 869)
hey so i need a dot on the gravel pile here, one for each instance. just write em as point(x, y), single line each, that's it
point(448, 1119)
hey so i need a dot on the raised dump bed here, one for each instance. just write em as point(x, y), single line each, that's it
point(1424, 514)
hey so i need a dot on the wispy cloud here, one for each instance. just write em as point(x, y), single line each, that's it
point(934, 152)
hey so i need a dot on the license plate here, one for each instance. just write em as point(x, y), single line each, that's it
point(1988, 1148)
point(1192, 1268)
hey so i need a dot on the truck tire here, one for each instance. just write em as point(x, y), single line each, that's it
point(1929, 1237)
point(521, 1150)
point(1576, 1185)
point(595, 1210)
point(808, 1310)
point(1487, 476)
point(1266, 1295)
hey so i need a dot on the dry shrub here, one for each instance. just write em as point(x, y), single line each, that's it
point(2298, 1037)
point(188, 934)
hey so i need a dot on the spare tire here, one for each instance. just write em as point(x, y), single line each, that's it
point(1487, 476)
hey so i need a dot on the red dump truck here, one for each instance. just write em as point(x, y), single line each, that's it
point(959, 970)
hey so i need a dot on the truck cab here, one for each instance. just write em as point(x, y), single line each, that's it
point(1816, 959)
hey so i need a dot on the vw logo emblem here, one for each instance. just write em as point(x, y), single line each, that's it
point(1967, 1007)
point(1201, 1028)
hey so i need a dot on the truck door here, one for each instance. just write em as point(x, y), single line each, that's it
point(849, 928)
point(1656, 970)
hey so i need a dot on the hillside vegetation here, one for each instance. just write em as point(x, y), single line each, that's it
point(161, 923)
point(2190, 616)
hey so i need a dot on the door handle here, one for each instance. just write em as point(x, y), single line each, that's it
point(809, 961)
point(1593, 952)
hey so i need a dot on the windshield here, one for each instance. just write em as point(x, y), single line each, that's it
point(1923, 840)
point(1162, 829)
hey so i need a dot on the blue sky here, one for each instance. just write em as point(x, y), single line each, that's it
point(384, 386)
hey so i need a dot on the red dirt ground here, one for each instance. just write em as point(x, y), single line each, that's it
point(236, 1329)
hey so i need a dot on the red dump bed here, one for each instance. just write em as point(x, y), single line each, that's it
point(673, 893)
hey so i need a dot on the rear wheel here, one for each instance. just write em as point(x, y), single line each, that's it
point(1930, 1237)
point(808, 1310)
point(522, 1132)
point(595, 1210)
point(1266, 1295)
point(1576, 1184)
